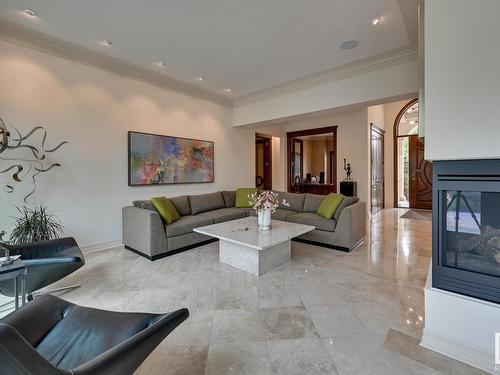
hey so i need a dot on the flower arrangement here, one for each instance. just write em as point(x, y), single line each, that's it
point(266, 200)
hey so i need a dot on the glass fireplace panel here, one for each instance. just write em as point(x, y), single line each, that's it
point(472, 238)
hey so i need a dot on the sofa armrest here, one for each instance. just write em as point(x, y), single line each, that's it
point(143, 231)
point(351, 227)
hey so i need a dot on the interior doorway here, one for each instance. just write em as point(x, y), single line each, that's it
point(377, 190)
point(312, 161)
point(412, 173)
point(263, 162)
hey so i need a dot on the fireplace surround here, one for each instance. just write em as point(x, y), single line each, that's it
point(466, 228)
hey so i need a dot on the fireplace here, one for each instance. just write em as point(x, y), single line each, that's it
point(466, 228)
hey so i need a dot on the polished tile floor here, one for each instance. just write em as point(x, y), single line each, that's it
point(324, 312)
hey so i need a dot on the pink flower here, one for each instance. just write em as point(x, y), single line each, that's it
point(266, 200)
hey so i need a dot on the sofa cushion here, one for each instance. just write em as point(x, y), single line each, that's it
point(282, 214)
point(329, 205)
point(311, 218)
point(224, 214)
point(312, 202)
point(229, 198)
point(166, 209)
point(345, 203)
point(296, 201)
point(186, 224)
point(242, 199)
point(145, 204)
point(206, 202)
point(181, 203)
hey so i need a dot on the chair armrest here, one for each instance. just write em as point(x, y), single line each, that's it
point(54, 260)
point(17, 356)
point(128, 355)
point(143, 230)
point(66, 246)
point(351, 226)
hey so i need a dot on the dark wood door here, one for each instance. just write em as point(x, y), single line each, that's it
point(420, 176)
point(377, 169)
point(263, 169)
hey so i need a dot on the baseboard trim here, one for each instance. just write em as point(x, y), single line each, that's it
point(86, 249)
point(460, 351)
point(172, 252)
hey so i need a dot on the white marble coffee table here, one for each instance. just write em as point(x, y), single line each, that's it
point(251, 250)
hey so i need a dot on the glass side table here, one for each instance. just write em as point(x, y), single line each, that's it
point(17, 272)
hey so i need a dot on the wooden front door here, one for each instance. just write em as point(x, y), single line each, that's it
point(377, 169)
point(420, 176)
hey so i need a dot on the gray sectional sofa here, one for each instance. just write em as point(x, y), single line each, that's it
point(145, 233)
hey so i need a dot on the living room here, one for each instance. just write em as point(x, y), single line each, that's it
point(343, 283)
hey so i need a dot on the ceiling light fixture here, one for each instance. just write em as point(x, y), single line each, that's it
point(375, 21)
point(228, 90)
point(349, 44)
point(107, 43)
point(30, 12)
point(161, 64)
point(200, 78)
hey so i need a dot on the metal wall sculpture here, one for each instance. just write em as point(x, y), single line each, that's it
point(21, 167)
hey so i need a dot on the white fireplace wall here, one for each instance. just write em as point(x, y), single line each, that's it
point(462, 115)
point(462, 77)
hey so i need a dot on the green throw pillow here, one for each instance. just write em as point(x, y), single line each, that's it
point(329, 205)
point(166, 209)
point(242, 200)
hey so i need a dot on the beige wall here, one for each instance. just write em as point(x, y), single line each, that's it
point(93, 110)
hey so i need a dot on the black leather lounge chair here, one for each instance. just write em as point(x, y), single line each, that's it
point(50, 336)
point(46, 263)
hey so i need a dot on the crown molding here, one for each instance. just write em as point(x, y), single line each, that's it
point(377, 62)
point(26, 37)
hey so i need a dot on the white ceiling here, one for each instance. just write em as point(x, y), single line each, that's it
point(245, 45)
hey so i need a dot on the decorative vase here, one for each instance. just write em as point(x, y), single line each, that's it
point(264, 219)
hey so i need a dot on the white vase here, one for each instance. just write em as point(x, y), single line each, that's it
point(264, 219)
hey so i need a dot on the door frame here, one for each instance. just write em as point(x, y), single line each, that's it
point(268, 154)
point(395, 147)
point(299, 133)
point(374, 128)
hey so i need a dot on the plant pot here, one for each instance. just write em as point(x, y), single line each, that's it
point(264, 219)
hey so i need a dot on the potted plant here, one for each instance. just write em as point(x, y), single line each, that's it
point(34, 225)
point(265, 203)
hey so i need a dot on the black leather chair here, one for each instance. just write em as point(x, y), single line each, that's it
point(50, 336)
point(46, 263)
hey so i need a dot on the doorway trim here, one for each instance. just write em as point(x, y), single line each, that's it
point(268, 169)
point(395, 147)
point(299, 133)
point(374, 128)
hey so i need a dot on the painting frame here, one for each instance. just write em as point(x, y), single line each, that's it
point(130, 152)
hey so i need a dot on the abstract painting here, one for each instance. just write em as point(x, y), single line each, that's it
point(159, 159)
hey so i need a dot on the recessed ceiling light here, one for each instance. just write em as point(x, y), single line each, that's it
point(349, 44)
point(375, 21)
point(107, 43)
point(228, 90)
point(200, 78)
point(30, 12)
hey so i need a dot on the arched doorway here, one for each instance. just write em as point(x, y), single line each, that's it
point(412, 173)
